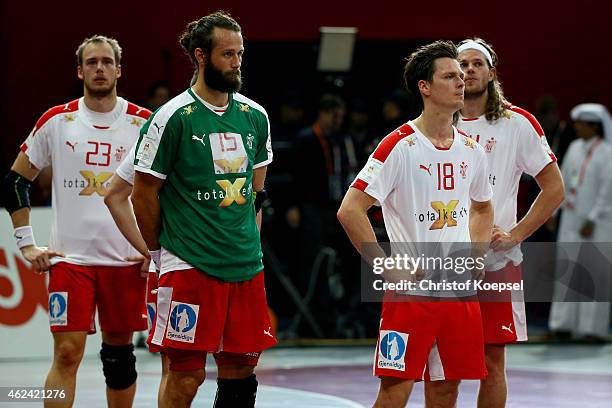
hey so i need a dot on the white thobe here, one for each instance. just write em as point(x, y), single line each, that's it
point(587, 174)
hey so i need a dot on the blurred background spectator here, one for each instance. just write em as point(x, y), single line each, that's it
point(158, 94)
point(586, 223)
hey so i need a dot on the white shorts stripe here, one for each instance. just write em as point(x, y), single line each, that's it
point(376, 350)
point(164, 298)
point(520, 320)
point(434, 364)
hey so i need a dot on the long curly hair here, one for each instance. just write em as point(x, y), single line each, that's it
point(497, 105)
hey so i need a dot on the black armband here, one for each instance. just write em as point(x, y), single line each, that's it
point(15, 192)
point(260, 197)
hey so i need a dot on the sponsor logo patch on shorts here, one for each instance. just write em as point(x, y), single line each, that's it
point(58, 308)
point(392, 349)
point(183, 322)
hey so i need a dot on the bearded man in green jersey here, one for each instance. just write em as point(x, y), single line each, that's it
point(199, 160)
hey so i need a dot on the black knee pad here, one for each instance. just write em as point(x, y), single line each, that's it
point(119, 365)
point(238, 393)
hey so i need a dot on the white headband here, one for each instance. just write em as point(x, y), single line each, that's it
point(473, 45)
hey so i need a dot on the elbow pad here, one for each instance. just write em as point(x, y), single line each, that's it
point(15, 192)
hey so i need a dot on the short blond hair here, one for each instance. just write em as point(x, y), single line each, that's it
point(99, 39)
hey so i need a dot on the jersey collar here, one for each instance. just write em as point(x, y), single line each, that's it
point(428, 143)
point(210, 107)
point(464, 119)
point(84, 118)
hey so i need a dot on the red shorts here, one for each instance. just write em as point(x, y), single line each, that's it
point(152, 306)
point(436, 340)
point(117, 291)
point(151, 298)
point(504, 322)
point(198, 312)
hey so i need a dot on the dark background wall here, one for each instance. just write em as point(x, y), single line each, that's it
point(546, 47)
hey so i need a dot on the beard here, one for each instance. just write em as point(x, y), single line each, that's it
point(475, 93)
point(100, 91)
point(224, 82)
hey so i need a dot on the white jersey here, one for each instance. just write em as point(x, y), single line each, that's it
point(84, 156)
point(514, 144)
point(425, 191)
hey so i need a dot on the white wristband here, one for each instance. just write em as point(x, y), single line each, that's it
point(156, 257)
point(24, 236)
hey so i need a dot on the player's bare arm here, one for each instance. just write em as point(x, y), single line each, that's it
point(481, 225)
point(481, 221)
point(145, 200)
point(259, 178)
point(548, 200)
point(17, 192)
point(353, 215)
point(117, 200)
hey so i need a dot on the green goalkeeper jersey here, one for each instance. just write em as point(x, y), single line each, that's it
point(207, 161)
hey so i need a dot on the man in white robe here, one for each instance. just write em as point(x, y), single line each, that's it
point(586, 219)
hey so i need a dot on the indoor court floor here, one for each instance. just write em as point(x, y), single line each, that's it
point(560, 376)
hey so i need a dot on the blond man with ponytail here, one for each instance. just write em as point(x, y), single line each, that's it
point(514, 144)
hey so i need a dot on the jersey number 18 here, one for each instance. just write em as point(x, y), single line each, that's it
point(446, 176)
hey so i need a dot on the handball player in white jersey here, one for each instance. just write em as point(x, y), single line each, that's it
point(425, 166)
point(84, 141)
point(514, 143)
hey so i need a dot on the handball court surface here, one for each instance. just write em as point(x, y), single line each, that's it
point(539, 375)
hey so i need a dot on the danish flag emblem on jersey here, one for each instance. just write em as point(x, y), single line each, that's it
point(463, 169)
point(489, 145)
point(119, 153)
